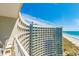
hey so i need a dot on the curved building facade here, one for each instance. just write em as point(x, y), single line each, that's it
point(35, 38)
point(46, 41)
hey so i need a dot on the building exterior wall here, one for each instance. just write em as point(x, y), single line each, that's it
point(21, 34)
point(23, 31)
point(46, 41)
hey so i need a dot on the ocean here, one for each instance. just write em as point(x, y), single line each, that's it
point(75, 33)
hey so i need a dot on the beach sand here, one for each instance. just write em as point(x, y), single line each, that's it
point(72, 39)
point(71, 46)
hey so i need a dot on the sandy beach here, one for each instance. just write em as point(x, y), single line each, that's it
point(72, 39)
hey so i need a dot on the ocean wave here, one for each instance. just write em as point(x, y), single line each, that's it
point(73, 36)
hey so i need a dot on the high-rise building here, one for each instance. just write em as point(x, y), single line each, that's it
point(45, 40)
point(36, 38)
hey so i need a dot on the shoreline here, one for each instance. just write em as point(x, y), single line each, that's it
point(72, 39)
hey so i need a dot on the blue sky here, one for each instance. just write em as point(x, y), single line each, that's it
point(65, 15)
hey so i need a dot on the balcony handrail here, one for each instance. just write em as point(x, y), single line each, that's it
point(22, 48)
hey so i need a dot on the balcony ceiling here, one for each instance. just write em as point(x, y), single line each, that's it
point(9, 9)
